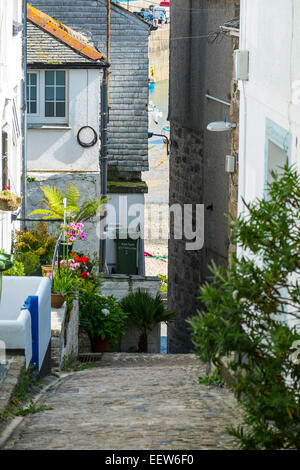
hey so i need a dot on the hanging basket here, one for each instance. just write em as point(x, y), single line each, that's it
point(9, 202)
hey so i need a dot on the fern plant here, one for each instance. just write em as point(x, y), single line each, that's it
point(76, 212)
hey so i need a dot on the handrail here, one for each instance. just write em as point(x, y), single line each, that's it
point(54, 257)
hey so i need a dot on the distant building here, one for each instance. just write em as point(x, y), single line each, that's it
point(64, 75)
point(11, 103)
point(128, 115)
point(200, 93)
point(128, 100)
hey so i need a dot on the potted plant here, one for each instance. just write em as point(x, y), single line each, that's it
point(145, 312)
point(102, 318)
point(9, 201)
point(63, 285)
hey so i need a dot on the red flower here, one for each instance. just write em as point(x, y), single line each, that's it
point(84, 275)
point(78, 259)
point(7, 188)
point(85, 260)
point(72, 254)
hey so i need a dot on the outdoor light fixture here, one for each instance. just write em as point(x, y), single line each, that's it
point(221, 126)
point(164, 137)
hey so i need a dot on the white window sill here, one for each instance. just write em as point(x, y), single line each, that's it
point(49, 126)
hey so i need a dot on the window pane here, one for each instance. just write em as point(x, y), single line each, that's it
point(33, 79)
point(49, 78)
point(33, 93)
point(60, 78)
point(32, 108)
point(49, 93)
point(60, 109)
point(60, 93)
point(49, 109)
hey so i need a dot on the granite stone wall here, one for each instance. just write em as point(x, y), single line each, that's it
point(185, 267)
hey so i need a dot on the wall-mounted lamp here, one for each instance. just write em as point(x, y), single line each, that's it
point(164, 137)
point(221, 126)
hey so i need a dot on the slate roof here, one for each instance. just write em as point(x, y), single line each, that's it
point(51, 43)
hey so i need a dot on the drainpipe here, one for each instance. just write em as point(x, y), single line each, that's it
point(24, 117)
point(103, 161)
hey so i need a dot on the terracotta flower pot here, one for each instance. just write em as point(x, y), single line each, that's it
point(99, 345)
point(57, 300)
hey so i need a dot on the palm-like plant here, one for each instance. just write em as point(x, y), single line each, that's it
point(145, 312)
point(54, 206)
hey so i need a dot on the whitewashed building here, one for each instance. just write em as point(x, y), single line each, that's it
point(269, 93)
point(270, 98)
point(11, 93)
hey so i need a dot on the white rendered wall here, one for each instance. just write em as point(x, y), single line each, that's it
point(270, 100)
point(56, 148)
point(270, 31)
point(11, 75)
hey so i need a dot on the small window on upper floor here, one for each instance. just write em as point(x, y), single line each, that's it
point(55, 94)
point(47, 97)
point(32, 93)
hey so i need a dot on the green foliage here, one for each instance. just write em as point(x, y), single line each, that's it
point(16, 270)
point(251, 310)
point(54, 206)
point(101, 316)
point(64, 284)
point(31, 179)
point(163, 283)
point(145, 312)
point(34, 247)
point(32, 409)
point(214, 379)
point(26, 382)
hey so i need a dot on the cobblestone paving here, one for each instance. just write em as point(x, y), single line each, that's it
point(132, 401)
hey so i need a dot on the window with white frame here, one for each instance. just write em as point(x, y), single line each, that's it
point(32, 93)
point(55, 93)
point(47, 97)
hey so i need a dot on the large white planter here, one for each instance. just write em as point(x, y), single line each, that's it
point(15, 320)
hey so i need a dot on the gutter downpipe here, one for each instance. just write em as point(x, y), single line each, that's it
point(24, 117)
point(103, 166)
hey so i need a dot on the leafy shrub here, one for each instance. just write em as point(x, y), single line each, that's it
point(16, 270)
point(101, 316)
point(163, 283)
point(34, 247)
point(252, 311)
point(145, 312)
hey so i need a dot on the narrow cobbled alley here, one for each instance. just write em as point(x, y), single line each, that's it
point(133, 401)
